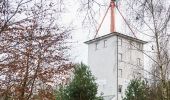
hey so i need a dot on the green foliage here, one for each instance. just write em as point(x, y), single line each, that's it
point(82, 87)
point(136, 90)
point(61, 94)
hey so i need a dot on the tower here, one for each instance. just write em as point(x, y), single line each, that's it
point(114, 60)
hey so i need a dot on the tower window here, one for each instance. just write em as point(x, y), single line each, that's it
point(120, 73)
point(96, 46)
point(120, 89)
point(105, 44)
point(139, 46)
point(120, 57)
point(130, 44)
point(139, 74)
point(119, 41)
point(138, 61)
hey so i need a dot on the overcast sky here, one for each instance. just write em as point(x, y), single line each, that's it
point(74, 18)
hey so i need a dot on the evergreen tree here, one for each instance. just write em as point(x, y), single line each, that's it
point(136, 90)
point(82, 87)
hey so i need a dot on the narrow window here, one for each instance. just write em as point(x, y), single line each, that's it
point(138, 61)
point(105, 44)
point(139, 46)
point(130, 44)
point(96, 46)
point(120, 41)
point(120, 89)
point(139, 74)
point(120, 73)
point(120, 57)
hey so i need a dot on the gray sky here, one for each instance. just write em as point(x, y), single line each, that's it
point(72, 17)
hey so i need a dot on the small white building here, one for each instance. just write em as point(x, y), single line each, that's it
point(114, 60)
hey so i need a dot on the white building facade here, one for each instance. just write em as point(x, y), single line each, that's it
point(114, 60)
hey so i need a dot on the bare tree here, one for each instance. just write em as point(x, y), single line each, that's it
point(33, 48)
point(154, 15)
